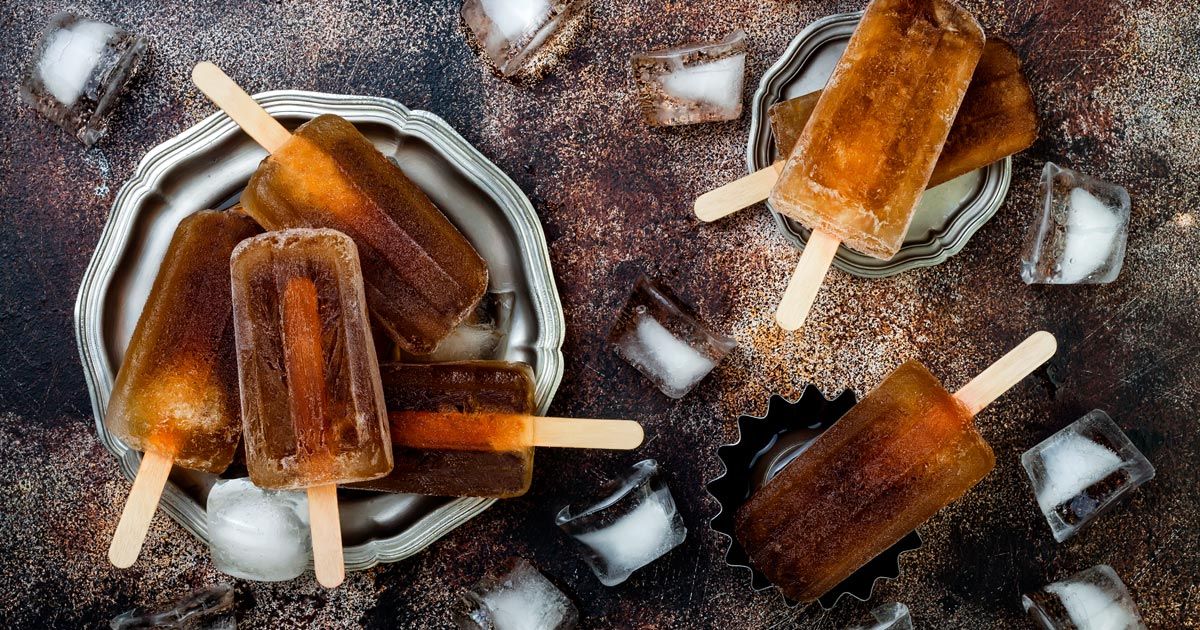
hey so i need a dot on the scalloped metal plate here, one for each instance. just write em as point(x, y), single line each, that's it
point(207, 166)
point(947, 216)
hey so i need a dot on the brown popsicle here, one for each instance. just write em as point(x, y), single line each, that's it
point(908, 449)
point(998, 118)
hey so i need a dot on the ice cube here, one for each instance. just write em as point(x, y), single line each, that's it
point(695, 83)
point(516, 598)
point(78, 73)
point(664, 342)
point(1080, 234)
point(510, 31)
point(258, 534)
point(1082, 470)
point(209, 608)
point(887, 617)
point(629, 524)
point(1094, 599)
point(482, 335)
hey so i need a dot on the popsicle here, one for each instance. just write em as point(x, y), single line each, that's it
point(467, 429)
point(908, 449)
point(175, 397)
point(998, 117)
point(422, 277)
point(313, 413)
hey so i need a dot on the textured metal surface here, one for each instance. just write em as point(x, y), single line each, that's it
point(947, 216)
point(206, 167)
point(1117, 83)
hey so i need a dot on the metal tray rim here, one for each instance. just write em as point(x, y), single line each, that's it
point(941, 245)
point(159, 160)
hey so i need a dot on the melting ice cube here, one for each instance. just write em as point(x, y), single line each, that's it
point(631, 523)
point(481, 336)
point(692, 84)
point(516, 598)
point(1080, 235)
point(665, 342)
point(78, 73)
point(511, 31)
point(887, 617)
point(1082, 470)
point(258, 534)
point(1095, 599)
point(209, 608)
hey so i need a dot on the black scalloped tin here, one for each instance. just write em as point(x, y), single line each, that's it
point(765, 445)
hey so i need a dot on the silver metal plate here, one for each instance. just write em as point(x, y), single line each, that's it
point(206, 167)
point(947, 216)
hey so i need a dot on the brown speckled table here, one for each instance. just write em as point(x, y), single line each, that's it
point(1118, 85)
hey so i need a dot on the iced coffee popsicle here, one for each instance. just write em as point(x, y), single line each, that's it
point(421, 276)
point(908, 449)
point(998, 117)
point(312, 405)
point(176, 394)
point(467, 429)
point(469, 420)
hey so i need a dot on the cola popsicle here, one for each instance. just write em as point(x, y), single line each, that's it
point(908, 449)
point(998, 117)
point(312, 404)
point(460, 416)
point(175, 397)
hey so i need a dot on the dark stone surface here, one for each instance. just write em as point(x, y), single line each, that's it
point(1117, 82)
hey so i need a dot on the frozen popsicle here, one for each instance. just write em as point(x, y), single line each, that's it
point(312, 405)
point(422, 277)
point(467, 429)
point(998, 117)
point(908, 449)
point(175, 397)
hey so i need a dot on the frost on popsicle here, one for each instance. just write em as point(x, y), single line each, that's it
point(518, 597)
point(1082, 470)
point(78, 73)
point(210, 608)
point(257, 534)
point(1095, 599)
point(664, 341)
point(695, 83)
point(1080, 233)
point(631, 523)
point(511, 31)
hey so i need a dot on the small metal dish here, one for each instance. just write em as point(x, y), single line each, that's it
point(947, 216)
point(765, 445)
point(206, 167)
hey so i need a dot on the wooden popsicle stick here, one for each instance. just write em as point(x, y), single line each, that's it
point(738, 194)
point(326, 528)
point(587, 433)
point(139, 509)
point(806, 280)
point(1007, 372)
point(235, 102)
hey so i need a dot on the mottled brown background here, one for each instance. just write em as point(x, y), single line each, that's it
point(1117, 82)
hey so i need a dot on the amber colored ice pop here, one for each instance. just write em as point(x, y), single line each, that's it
point(862, 162)
point(907, 450)
point(998, 117)
point(312, 405)
point(175, 397)
point(467, 429)
point(422, 277)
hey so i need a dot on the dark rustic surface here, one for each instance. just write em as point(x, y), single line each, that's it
point(1117, 82)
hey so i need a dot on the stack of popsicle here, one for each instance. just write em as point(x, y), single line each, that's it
point(861, 152)
point(351, 232)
